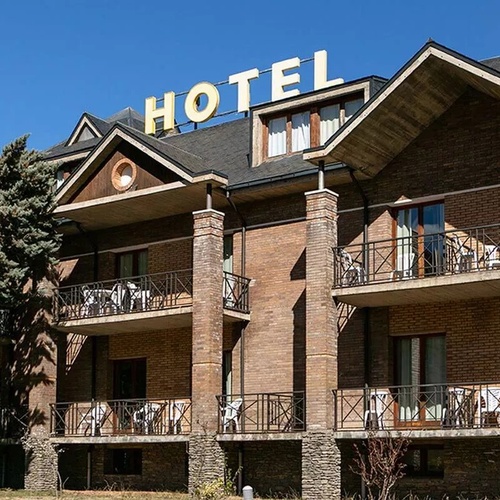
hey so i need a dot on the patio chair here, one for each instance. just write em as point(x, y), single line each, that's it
point(176, 414)
point(491, 260)
point(377, 406)
point(144, 419)
point(465, 257)
point(231, 415)
point(93, 419)
point(139, 297)
point(404, 266)
point(488, 405)
point(352, 272)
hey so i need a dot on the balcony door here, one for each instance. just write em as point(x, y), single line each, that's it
point(420, 242)
point(421, 378)
point(130, 264)
point(129, 385)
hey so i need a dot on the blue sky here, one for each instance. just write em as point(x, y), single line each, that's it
point(63, 57)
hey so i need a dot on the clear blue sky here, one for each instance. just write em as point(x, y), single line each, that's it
point(63, 57)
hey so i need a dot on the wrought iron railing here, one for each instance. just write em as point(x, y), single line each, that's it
point(137, 294)
point(121, 417)
point(432, 406)
point(236, 292)
point(13, 421)
point(418, 256)
point(262, 412)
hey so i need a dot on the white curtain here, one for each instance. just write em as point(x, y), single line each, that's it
point(277, 137)
point(329, 122)
point(301, 137)
point(351, 107)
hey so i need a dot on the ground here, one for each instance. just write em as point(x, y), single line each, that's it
point(96, 495)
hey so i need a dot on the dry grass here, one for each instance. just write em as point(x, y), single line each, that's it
point(96, 495)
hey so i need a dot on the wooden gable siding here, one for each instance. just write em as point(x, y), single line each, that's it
point(149, 174)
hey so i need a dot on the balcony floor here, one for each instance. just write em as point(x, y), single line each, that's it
point(128, 439)
point(178, 317)
point(453, 287)
point(415, 433)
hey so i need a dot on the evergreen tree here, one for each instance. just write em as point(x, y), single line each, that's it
point(29, 242)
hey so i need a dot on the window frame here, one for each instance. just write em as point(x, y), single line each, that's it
point(135, 262)
point(424, 471)
point(314, 122)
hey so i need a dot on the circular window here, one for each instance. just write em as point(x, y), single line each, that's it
point(123, 175)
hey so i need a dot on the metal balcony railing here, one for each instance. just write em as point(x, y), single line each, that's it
point(433, 406)
point(262, 412)
point(418, 256)
point(236, 294)
point(150, 292)
point(13, 421)
point(121, 417)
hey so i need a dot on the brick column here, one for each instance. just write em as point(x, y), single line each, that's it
point(320, 454)
point(41, 454)
point(206, 458)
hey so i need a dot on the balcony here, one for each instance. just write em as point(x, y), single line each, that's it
point(109, 421)
point(439, 410)
point(13, 421)
point(278, 414)
point(452, 265)
point(148, 302)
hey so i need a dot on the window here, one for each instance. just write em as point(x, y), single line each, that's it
point(131, 264)
point(307, 127)
point(124, 461)
point(424, 461)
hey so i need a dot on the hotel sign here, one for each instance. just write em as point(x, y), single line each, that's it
point(279, 83)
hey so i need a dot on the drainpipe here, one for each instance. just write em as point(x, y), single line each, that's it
point(243, 266)
point(366, 264)
point(95, 249)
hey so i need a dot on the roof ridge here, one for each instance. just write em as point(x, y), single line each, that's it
point(161, 142)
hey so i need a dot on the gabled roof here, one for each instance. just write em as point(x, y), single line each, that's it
point(97, 127)
point(419, 93)
point(187, 166)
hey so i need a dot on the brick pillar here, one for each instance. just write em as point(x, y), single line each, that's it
point(207, 318)
point(41, 455)
point(320, 454)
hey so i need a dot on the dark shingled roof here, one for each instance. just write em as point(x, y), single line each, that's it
point(493, 62)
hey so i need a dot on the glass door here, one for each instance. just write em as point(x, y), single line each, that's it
point(421, 375)
point(420, 245)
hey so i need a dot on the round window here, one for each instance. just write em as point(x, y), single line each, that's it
point(123, 175)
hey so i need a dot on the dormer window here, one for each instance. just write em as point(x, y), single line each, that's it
point(306, 128)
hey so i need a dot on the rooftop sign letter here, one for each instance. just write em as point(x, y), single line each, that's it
point(279, 80)
point(167, 113)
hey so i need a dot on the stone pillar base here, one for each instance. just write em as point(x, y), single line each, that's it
point(206, 460)
point(41, 464)
point(320, 466)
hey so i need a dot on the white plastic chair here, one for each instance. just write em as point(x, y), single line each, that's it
point(491, 259)
point(466, 258)
point(404, 266)
point(231, 413)
point(488, 404)
point(352, 272)
point(377, 405)
point(145, 417)
point(139, 297)
point(93, 419)
point(175, 418)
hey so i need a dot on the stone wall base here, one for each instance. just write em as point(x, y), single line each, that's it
point(206, 460)
point(320, 466)
point(41, 464)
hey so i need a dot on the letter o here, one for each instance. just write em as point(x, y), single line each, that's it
point(191, 107)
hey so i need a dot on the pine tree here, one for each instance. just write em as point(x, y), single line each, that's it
point(29, 242)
